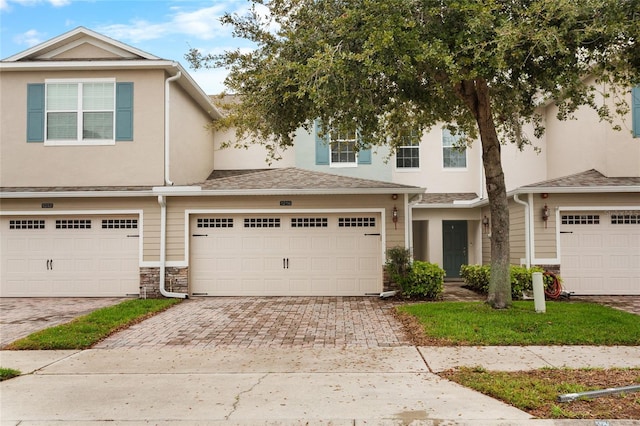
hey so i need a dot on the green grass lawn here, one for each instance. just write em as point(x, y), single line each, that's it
point(564, 323)
point(83, 332)
point(8, 373)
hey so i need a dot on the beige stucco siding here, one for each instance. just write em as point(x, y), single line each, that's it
point(191, 143)
point(137, 162)
point(589, 143)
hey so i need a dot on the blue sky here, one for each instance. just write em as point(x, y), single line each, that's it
point(163, 28)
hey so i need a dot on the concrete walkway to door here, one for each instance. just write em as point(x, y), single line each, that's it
point(268, 322)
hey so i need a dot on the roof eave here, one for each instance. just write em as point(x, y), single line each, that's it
point(196, 191)
point(574, 190)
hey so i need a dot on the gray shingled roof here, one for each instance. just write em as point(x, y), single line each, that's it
point(446, 198)
point(590, 178)
point(76, 189)
point(294, 179)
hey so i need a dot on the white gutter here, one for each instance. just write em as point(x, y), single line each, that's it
point(163, 251)
point(527, 230)
point(167, 116)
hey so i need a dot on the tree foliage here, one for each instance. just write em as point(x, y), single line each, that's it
point(389, 67)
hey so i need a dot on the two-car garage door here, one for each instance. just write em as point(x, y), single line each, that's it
point(337, 254)
point(59, 256)
point(600, 252)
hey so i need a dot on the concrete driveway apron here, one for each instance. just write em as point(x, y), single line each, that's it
point(268, 322)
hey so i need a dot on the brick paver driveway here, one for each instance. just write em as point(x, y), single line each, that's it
point(268, 322)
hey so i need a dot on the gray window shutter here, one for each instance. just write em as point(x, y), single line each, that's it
point(635, 111)
point(322, 146)
point(35, 112)
point(124, 111)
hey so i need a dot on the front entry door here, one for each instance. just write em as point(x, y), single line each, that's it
point(454, 246)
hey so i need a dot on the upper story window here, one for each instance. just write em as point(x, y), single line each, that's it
point(343, 149)
point(339, 149)
point(80, 112)
point(408, 154)
point(453, 157)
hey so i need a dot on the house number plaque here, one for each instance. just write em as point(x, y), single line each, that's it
point(286, 203)
point(47, 205)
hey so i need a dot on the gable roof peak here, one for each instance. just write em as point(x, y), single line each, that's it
point(75, 37)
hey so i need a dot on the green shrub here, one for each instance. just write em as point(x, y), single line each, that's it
point(424, 280)
point(476, 277)
point(398, 263)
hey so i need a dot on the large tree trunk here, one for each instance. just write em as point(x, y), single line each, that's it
point(476, 96)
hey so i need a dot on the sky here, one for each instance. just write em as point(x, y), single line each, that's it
point(164, 28)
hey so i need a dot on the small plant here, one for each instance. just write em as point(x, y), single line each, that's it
point(424, 280)
point(8, 373)
point(398, 263)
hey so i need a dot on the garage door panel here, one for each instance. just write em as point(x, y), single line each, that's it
point(68, 257)
point(598, 252)
point(300, 255)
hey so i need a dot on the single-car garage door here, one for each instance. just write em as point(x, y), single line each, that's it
point(69, 256)
point(600, 252)
point(286, 255)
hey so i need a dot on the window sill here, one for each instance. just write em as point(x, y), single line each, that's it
point(343, 165)
point(80, 143)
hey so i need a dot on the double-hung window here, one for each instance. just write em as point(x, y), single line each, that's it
point(408, 154)
point(338, 148)
point(343, 149)
point(80, 112)
point(454, 154)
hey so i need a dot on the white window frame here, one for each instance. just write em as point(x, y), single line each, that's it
point(79, 141)
point(414, 143)
point(451, 147)
point(343, 140)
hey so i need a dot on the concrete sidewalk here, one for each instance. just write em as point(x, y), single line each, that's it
point(194, 386)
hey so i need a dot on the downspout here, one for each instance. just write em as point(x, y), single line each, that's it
point(527, 226)
point(163, 251)
point(167, 115)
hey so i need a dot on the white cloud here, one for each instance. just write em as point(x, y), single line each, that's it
point(6, 4)
point(29, 38)
point(201, 24)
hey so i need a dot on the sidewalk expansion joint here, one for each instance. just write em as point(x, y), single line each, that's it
point(424, 359)
point(549, 364)
point(236, 401)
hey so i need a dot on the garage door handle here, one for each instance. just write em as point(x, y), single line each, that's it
point(133, 236)
point(48, 264)
point(566, 232)
point(200, 235)
point(372, 234)
point(285, 263)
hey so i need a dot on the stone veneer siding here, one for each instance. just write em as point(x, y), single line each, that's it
point(176, 280)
